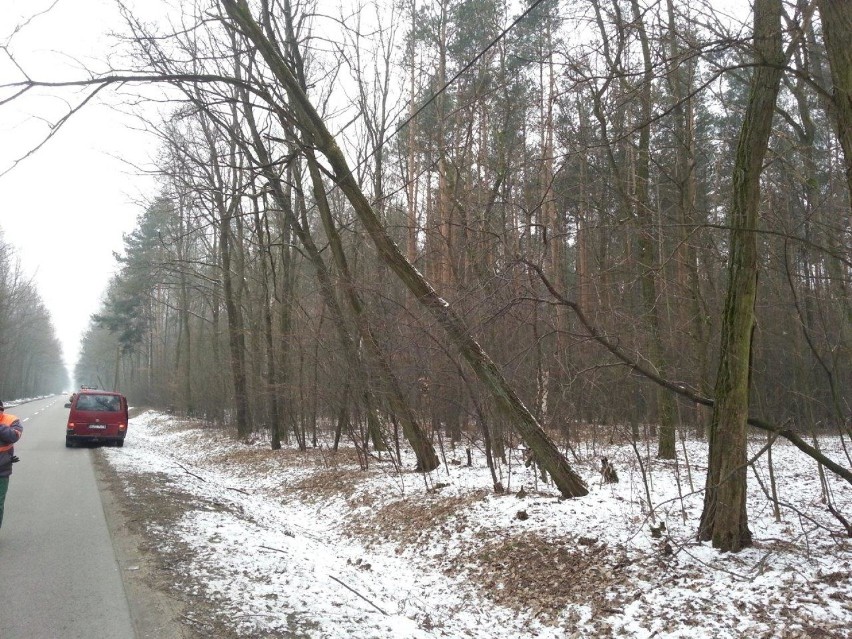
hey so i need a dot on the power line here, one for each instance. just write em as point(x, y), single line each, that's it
point(433, 97)
point(466, 67)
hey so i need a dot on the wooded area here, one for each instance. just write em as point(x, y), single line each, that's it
point(30, 351)
point(457, 220)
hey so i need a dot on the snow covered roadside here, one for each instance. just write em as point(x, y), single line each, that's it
point(307, 544)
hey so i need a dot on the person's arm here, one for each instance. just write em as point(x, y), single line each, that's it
point(10, 433)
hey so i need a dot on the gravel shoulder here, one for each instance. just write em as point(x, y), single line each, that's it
point(158, 603)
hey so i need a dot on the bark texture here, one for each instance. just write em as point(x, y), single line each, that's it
point(725, 518)
point(836, 17)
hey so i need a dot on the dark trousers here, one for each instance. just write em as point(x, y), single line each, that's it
point(4, 486)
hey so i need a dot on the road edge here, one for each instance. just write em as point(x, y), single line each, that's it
point(153, 612)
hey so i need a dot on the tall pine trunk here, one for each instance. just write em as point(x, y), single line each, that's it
point(648, 257)
point(836, 17)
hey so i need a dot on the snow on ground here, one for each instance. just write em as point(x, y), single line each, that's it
point(308, 544)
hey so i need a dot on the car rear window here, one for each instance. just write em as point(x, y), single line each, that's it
point(94, 402)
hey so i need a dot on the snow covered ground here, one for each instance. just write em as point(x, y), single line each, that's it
point(282, 543)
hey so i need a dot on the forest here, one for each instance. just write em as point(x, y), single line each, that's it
point(30, 351)
point(401, 224)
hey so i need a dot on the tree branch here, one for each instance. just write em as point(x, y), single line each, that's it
point(680, 389)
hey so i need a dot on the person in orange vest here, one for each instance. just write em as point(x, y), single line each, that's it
point(10, 432)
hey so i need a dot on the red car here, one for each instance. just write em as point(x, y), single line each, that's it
point(97, 416)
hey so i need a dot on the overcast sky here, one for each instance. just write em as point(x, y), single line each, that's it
point(65, 208)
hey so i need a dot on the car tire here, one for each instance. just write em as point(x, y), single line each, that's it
point(119, 443)
point(68, 443)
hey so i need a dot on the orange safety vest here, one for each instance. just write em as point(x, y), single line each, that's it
point(7, 420)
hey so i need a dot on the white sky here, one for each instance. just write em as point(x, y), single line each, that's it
point(65, 208)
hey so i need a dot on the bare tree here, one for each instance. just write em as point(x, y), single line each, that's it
point(725, 519)
point(309, 121)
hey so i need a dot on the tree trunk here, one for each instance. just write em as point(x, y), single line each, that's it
point(725, 518)
point(271, 373)
point(412, 167)
point(836, 17)
point(692, 317)
point(235, 333)
point(236, 337)
point(427, 459)
point(648, 258)
point(184, 354)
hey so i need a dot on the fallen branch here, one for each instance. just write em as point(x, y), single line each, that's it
point(189, 472)
point(841, 519)
point(359, 594)
point(681, 389)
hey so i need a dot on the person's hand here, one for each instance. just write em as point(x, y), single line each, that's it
point(15, 458)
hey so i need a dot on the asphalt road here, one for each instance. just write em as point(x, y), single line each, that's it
point(59, 575)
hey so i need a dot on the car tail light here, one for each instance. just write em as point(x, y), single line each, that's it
point(122, 427)
point(70, 425)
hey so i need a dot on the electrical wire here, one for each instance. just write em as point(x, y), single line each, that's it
point(464, 69)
